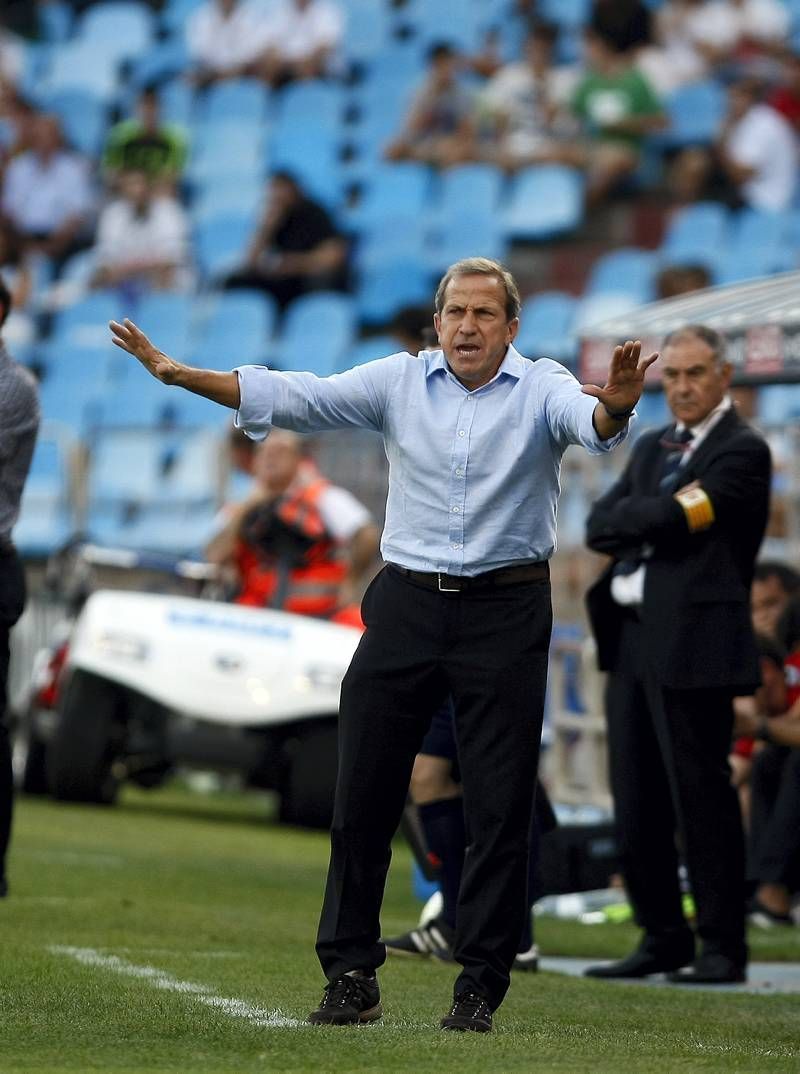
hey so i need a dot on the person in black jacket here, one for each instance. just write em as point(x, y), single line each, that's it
point(671, 618)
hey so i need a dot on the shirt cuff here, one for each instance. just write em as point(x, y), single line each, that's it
point(595, 444)
point(254, 416)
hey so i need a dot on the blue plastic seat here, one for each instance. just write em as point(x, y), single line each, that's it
point(178, 529)
point(175, 13)
point(239, 100)
point(176, 102)
point(221, 242)
point(85, 323)
point(469, 188)
point(167, 318)
point(162, 61)
point(476, 234)
point(695, 113)
point(367, 29)
point(83, 117)
point(69, 402)
point(395, 194)
point(629, 270)
point(778, 404)
point(319, 103)
point(232, 151)
point(545, 200)
point(223, 195)
point(317, 331)
point(594, 309)
point(568, 14)
point(234, 328)
point(311, 154)
point(453, 21)
point(120, 28)
point(388, 287)
point(546, 326)
point(697, 233)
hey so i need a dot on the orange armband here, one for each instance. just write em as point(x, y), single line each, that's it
point(698, 509)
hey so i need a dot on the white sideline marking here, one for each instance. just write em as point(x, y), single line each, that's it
point(235, 1008)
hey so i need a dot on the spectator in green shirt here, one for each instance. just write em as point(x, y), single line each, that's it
point(145, 144)
point(618, 109)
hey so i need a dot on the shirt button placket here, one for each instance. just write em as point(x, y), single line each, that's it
point(457, 484)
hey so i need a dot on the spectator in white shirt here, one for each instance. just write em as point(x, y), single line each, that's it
point(303, 38)
point(524, 109)
point(226, 39)
point(754, 161)
point(47, 194)
point(142, 239)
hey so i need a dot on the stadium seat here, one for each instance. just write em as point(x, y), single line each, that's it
point(312, 155)
point(567, 14)
point(83, 119)
point(695, 113)
point(545, 200)
point(453, 21)
point(778, 404)
point(85, 322)
point(162, 61)
point(175, 13)
point(475, 235)
point(79, 65)
point(698, 233)
point(594, 309)
point(223, 195)
point(174, 529)
point(318, 103)
point(232, 151)
point(176, 102)
point(367, 30)
point(317, 331)
point(395, 195)
point(167, 318)
point(243, 100)
point(70, 403)
point(546, 326)
point(389, 286)
point(119, 29)
point(221, 242)
point(629, 270)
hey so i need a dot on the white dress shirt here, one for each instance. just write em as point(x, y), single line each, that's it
point(39, 196)
point(220, 43)
point(296, 33)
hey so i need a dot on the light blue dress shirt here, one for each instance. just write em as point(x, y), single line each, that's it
point(473, 475)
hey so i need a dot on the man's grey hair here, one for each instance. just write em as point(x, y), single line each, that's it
point(481, 266)
point(710, 336)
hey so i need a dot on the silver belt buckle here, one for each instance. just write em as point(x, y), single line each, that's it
point(444, 588)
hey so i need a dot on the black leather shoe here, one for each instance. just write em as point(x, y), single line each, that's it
point(650, 957)
point(348, 1000)
point(710, 970)
point(469, 1013)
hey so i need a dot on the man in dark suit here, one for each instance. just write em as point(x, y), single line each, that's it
point(671, 618)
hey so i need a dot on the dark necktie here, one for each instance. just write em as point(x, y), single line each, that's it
point(675, 445)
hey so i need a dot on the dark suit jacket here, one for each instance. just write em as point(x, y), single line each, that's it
point(695, 617)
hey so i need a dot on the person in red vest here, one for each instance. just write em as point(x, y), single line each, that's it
point(297, 542)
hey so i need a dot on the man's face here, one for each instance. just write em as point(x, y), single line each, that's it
point(768, 601)
point(694, 381)
point(473, 328)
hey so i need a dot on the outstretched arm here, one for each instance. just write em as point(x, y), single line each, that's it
point(222, 388)
point(622, 389)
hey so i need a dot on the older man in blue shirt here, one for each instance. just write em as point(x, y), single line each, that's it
point(474, 434)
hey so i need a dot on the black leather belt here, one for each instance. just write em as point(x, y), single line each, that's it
point(455, 583)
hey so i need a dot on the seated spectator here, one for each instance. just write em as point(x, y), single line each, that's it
point(524, 115)
point(47, 195)
point(774, 586)
point(142, 239)
point(774, 857)
point(674, 280)
point(439, 127)
point(296, 247)
point(754, 160)
point(226, 39)
point(303, 38)
point(146, 144)
point(297, 542)
point(618, 108)
point(12, 57)
point(704, 37)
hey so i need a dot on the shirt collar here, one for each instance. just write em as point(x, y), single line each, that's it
point(511, 365)
point(704, 427)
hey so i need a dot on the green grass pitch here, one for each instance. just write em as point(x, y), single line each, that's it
point(174, 933)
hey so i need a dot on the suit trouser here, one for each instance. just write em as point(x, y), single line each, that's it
point(12, 602)
point(775, 816)
point(488, 650)
point(668, 753)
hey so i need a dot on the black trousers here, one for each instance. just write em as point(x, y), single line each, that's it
point(775, 817)
point(12, 602)
point(668, 752)
point(488, 650)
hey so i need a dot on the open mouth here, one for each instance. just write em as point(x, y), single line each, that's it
point(466, 350)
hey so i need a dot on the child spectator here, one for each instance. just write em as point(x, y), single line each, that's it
point(147, 145)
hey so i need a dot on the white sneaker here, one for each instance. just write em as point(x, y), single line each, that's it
point(527, 961)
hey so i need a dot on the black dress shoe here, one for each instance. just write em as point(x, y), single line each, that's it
point(650, 957)
point(710, 970)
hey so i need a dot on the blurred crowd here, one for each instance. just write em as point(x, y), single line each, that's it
point(596, 103)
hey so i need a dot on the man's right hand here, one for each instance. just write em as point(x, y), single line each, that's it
point(135, 342)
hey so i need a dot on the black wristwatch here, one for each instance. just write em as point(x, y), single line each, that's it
point(618, 415)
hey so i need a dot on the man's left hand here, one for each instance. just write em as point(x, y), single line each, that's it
point(625, 383)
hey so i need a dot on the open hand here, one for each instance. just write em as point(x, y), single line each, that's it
point(135, 342)
point(625, 382)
